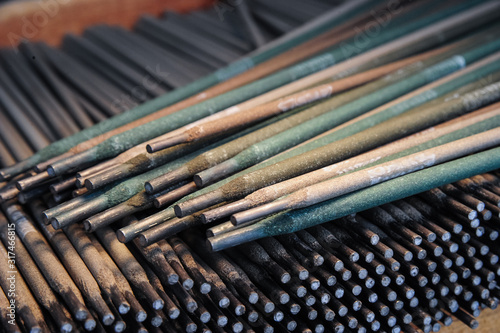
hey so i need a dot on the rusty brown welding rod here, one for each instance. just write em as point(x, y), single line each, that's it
point(119, 325)
point(289, 324)
point(351, 302)
point(362, 232)
point(185, 299)
point(93, 260)
point(385, 221)
point(312, 283)
point(308, 262)
point(332, 261)
point(375, 267)
point(434, 215)
point(171, 307)
point(172, 259)
point(368, 296)
point(78, 269)
point(129, 266)
point(234, 325)
point(365, 253)
point(469, 305)
point(172, 196)
point(137, 311)
point(474, 188)
point(490, 233)
point(49, 264)
point(139, 202)
point(404, 217)
point(19, 292)
point(261, 278)
point(325, 312)
point(389, 263)
point(387, 294)
point(341, 232)
point(358, 271)
point(463, 197)
point(331, 241)
point(493, 180)
point(184, 254)
point(157, 260)
point(256, 253)
point(307, 311)
point(149, 231)
point(226, 270)
point(399, 250)
point(25, 197)
point(220, 292)
point(291, 307)
point(322, 294)
point(420, 252)
point(251, 314)
point(438, 198)
point(430, 265)
point(216, 314)
point(349, 321)
point(293, 242)
point(33, 181)
point(201, 313)
point(404, 291)
point(263, 325)
point(326, 276)
point(278, 252)
point(462, 245)
point(34, 278)
point(166, 229)
point(186, 323)
point(474, 263)
point(8, 192)
point(482, 248)
point(407, 318)
point(421, 221)
point(488, 180)
point(62, 186)
point(296, 288)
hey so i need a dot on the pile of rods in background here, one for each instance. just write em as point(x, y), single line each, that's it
point(350, 165)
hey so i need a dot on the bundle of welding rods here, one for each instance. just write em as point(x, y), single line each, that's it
point(408, 265)
point(298, 159)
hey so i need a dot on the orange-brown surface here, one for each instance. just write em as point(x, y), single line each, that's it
point(49, 20)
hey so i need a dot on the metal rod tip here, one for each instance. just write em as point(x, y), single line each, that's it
point(158, 304)
point(108, 319)
point(124, 308)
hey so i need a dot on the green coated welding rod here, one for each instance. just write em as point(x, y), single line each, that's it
point(230, 149)
point(346, 12)
point(435, 135)
point(128, 139)
point(367, 198)
point(382, 133)
point(475, 72)
point(351, 182)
